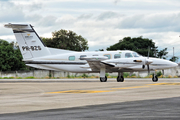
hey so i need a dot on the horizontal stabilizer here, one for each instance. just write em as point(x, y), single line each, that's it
point(15, 25)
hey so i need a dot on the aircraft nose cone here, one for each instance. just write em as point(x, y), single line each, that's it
point(174, 64)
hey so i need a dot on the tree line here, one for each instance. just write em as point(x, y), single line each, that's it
point(142, 46)
point(66, 39)
point(11, 58)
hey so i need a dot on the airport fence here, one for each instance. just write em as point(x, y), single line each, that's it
point(41, 74)
point(60, 74)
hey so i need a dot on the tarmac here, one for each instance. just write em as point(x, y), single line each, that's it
point(89, 99)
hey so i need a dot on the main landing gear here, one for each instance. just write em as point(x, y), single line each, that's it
point(103, 79)
point(120, 79)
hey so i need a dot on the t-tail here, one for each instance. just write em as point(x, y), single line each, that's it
point(30, 44)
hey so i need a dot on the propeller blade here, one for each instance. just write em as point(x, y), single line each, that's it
point(143, 66)
point(148, 61)
point(148, 69)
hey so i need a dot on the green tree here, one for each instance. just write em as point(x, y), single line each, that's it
point(139, 44)
point(68, 40)
point(10, 57)
point(162, 53)
point(174, 59)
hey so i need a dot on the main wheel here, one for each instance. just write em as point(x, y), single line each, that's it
point(155, 78)
point(120, 79)
point(103, 79)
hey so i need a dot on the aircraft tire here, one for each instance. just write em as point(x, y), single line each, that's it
point(155, 79)
point(120, 79)
point(103, 79)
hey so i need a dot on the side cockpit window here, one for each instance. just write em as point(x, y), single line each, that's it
point(128, 55)
point(117, 56)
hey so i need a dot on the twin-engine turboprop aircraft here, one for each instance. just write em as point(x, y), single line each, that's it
point(36, 54)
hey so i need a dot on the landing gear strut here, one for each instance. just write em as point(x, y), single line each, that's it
point(103, 78)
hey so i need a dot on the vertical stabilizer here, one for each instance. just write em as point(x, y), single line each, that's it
point(30, 44)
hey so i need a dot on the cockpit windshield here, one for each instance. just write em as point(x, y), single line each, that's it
point(136, 54)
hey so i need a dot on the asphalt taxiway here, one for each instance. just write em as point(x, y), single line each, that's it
point(89, 99)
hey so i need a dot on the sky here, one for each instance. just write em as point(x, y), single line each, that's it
point(101, 22)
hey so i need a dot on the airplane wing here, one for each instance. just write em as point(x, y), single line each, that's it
point(95, 66)
point(96, 62)
point(112, 65)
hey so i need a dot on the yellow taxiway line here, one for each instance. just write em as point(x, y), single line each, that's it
point(165, 84)
point(114, 89)
point(81, 91)
point(131, 87)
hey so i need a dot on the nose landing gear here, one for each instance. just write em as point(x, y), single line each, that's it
point(154, 78)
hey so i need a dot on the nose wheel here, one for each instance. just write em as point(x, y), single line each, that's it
point(154, 78)
point(120, 79)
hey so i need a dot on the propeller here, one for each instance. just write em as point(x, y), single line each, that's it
point(147, 62)
point(148, 69)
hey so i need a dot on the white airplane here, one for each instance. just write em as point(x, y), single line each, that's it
point(36, 54)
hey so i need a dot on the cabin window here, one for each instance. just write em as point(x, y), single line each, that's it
point(117, 56)
point(71, 58)
point(82, 56)
point(108, 55)
point(128, 55)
